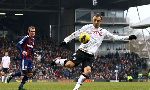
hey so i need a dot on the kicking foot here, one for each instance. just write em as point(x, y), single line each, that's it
point(21, 88)
point(77, 87)
point(53, 61)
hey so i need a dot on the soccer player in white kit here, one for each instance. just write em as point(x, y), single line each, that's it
point(85, 52)
point(5, 66)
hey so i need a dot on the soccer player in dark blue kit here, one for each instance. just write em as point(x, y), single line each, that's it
point(25, 46)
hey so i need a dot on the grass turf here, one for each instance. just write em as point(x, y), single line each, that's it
point(85, 86)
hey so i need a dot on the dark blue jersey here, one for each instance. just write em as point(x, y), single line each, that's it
point(26, 44)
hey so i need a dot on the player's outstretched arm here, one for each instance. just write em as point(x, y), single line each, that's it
point(117, 37)
point(21, 42)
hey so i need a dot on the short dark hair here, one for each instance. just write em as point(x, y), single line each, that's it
point(98, 15)
point(31, 27)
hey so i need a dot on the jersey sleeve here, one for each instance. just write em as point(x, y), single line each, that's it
point(21, 43)
point(9, 60)
point(75, 34)
point(116, 37)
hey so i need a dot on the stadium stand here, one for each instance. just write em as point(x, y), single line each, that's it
point(126, 63)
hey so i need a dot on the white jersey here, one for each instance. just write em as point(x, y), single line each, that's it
point(5, 61)
point(97, 36)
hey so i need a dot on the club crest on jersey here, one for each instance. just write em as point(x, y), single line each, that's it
point(97, 33)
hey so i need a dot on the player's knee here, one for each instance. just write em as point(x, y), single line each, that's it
point(2, 73)
point(69, 64)
point(87, 70)
point(30, 74)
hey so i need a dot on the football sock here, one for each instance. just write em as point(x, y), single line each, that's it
point(3, 77)
point(81, 79)
point(25, 78)
point(6, 79)
point(60, 61)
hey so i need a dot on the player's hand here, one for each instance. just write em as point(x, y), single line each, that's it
point(24, 53)
point(63, 44)
point(132, 37)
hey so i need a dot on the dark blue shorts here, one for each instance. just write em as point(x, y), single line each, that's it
point(5, 70)
point(26, 64)
point(82, 57)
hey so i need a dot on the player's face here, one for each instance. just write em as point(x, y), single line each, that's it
point(31, 32)
point(6, 53)
point(97, 21)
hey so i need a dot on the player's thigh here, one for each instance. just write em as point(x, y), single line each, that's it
point(30, 65)
point(87, 65)
point(24, 65)
point(70, 64)
point(2, 73)
point(75, 59)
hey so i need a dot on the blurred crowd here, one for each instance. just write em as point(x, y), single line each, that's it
point(104, 66)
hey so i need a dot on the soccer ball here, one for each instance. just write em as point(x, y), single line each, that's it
point(84, 37)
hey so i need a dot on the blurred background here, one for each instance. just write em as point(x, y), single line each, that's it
point(56, 19)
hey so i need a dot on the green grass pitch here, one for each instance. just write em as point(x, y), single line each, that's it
point(85, 86)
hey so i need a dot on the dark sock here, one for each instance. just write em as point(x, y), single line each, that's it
point(25, 78)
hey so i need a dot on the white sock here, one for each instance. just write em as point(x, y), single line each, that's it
point(80, 81)
point(60, 61)
point(6, 79)
point(77, 87)
point(3, 77)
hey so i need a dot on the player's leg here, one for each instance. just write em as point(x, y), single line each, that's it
point(6, 76)
point(3, 77)
point(19, 73)
point(86, 65)
point(83, 77)
point(28, 73)
point(58, 61)
point(70, 63)
point(64, 62)
point(9, 77)
point(24, 79)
